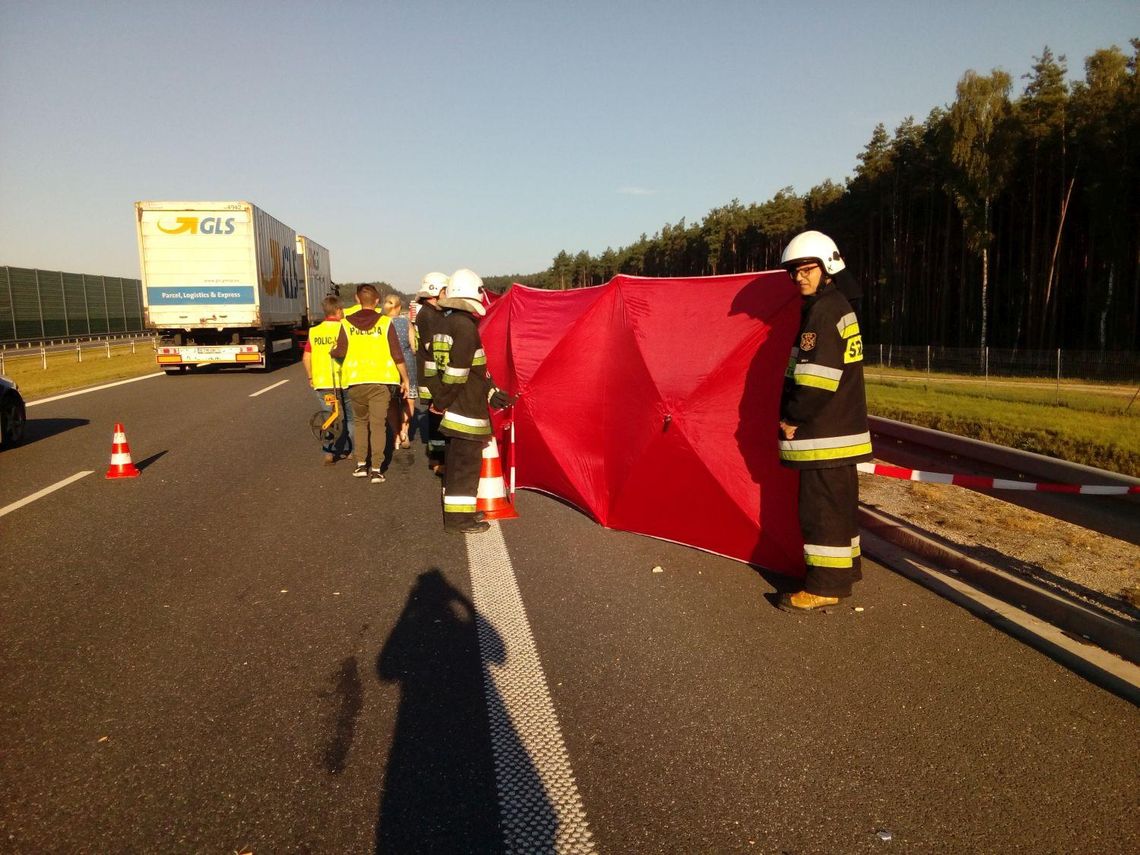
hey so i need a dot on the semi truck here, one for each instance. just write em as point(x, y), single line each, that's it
point(224, 283)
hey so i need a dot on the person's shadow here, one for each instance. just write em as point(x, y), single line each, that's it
point(439, 792)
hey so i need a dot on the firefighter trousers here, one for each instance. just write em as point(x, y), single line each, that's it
point(461, 481)
point(829, 521)
point(437, 442)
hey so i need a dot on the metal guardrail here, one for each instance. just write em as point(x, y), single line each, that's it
point(1027, 462)
point(77, 346)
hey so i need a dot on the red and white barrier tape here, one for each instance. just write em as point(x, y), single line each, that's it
point(981, 482)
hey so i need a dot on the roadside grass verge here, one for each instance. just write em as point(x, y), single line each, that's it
point(64, 373)
point(1082, 427)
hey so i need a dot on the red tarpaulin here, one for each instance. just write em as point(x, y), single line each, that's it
point(652, 405)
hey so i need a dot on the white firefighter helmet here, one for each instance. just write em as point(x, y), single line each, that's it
point(432, 284)
point(464, 292)
point(465, 285)
point(813, 246)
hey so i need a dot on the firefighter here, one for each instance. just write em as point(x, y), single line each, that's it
point(823, 423)
point(429, 354)
point(465, 390)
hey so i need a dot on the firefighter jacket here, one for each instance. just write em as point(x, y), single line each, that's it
point(326, 370)
point(430, 323)
point(368, 344)
point(823, 387)
point(464, 386)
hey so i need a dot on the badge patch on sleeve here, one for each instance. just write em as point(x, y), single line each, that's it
point(807, 341)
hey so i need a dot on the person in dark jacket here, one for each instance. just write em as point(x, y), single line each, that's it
point(464, 391)
point(823, 423)
point(430, 354)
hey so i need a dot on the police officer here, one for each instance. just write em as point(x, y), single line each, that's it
point(324, 375)
point(430, 353)
point(464, 391)
point(823, 423)
point(373, 370)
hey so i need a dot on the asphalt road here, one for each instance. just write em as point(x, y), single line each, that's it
point(242, 650)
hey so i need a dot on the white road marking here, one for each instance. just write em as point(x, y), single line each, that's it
point(539, 804)
point(92, 389)
point(267, 388)
point(7, 509)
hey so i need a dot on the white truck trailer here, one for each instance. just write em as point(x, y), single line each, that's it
point(224, 283)
point(318, 277)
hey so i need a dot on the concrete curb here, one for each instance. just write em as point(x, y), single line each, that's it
point(1108, 633)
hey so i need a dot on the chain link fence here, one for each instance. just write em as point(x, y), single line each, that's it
point(1121, 367)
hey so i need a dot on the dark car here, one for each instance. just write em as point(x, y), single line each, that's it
point(13, 414)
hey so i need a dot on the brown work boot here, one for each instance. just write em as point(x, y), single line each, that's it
point(802, 601)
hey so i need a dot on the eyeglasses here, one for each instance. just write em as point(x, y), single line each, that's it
point(803, 272)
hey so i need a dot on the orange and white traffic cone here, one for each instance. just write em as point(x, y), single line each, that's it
point(121, 465)
point(491, 499)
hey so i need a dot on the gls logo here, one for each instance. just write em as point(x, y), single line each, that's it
point(283, 273)
point(200, 225)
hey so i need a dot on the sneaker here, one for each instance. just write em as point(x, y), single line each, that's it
point(361, 471)
point(375, 476)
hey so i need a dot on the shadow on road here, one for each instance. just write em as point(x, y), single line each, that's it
point(37, 429)
point(143, 464)
point(439, 791)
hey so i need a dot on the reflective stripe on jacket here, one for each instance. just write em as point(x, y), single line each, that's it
point(465, 386)
point(429, 321)
point(823, 393)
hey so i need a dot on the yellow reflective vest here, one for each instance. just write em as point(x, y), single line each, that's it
point(322, 339)
point(368, 358)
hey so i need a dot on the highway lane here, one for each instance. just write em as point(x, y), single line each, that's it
point(244, 649)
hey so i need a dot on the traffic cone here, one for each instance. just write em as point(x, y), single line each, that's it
point(492, 496)
point(121, 465)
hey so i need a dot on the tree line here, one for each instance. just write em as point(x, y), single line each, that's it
point(1004, 221)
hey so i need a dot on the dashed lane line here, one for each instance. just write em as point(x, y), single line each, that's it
point(267, 388)
point(7, 509)
point(539, 805)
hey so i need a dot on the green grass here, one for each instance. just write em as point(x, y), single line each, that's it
point(64, 373)
point(1079, 425)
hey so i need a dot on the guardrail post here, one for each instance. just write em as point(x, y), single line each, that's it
point(79, 352)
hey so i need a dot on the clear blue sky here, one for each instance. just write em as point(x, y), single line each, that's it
point(415, 136)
